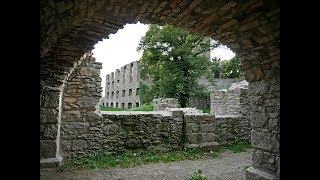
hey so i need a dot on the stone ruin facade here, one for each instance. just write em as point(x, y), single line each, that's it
point(122, 87)
point(251, 28)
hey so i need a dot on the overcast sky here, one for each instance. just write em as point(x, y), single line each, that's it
point(120, 49)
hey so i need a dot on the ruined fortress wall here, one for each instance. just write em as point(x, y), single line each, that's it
point(233, 101)
point(79, 106)
point(122, 87)
point(161, 131)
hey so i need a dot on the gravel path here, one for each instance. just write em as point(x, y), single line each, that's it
point(229, 166)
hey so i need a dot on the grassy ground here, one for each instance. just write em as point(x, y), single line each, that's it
point(138, 157)
point(239, 146)
point(144, 107)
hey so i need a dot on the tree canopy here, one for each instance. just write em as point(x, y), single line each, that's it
point(174, 58)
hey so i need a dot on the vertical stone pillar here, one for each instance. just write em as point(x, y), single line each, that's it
point(49, 127)
point(264, 91)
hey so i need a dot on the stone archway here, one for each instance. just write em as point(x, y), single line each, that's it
point(250, 28)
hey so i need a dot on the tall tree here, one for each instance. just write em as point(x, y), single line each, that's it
point(174, 58)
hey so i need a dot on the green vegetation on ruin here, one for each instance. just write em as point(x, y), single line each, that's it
point(132, 158)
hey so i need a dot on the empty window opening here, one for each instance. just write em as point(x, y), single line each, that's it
point(130, 92)
point(129, 105)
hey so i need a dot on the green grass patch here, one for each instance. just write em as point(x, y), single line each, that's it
point(104, 108)
point(205, 110)
point(134, 158)
point(144, 107)
point(240, 146)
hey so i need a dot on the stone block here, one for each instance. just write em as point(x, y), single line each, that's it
point(71, 116)
point(51, 99)
point(259, 120)
point(191, 127)
point(48, 148)
point(48, 115)
point(49, 131)
point(211, 137)
point(87, 101)
point(256, 174)
point(206, 128)
point(79, 145)
point(265, 140)
point(264, 160)
point(191, 138)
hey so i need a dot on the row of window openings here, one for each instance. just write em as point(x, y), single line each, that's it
point(123, 93)
point(122, 105)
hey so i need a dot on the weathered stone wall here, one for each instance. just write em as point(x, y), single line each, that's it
point(199, 102)
point(80, 101)
point(209, 131)
point(233, 101)
point(158, 131)
point(162, 103)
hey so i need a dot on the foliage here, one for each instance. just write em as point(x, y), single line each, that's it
point(226, 69)
point(174, 58)
point(133, 158)
point(198, 176)
point(205, 110)
point(240, 146)
point(232, 68)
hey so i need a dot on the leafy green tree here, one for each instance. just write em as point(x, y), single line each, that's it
point(232, 68)
point(174, 59)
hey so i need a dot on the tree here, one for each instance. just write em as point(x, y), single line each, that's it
point(174, 59)
point(232, 68)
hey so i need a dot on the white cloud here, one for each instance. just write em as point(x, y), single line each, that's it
point(120, 49)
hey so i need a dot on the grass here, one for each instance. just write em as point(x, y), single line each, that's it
point(198, 176)
point(205, 110)
point(104, 108)
point(133, 158)
point(240, 146)
point(144, 107)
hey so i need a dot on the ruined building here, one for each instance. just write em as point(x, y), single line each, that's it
point(122, 87)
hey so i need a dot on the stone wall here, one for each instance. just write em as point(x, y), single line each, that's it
point(162, 103)
point(159, 131)
point(80, 102)
point(207, 131)
point(233, 101)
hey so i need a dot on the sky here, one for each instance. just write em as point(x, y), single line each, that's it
point(120, 49)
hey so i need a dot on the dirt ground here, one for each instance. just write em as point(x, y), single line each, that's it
point(229, 166)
